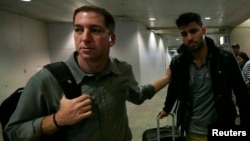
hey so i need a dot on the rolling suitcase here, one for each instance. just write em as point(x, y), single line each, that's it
point(167, 133)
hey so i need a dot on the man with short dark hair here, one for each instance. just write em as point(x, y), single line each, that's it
point(202, 79)
point(107, 83)
point(235, 48)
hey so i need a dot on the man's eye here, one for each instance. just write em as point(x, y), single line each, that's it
point(94, 30)
point(78, 30)
point(183, 34)
point(193, 31)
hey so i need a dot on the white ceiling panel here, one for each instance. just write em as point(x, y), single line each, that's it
point(225, 14)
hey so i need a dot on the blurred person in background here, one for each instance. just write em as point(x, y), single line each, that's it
point(242, 58)
point(235, 49)
point(246, 74)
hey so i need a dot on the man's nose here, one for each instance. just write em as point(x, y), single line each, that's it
point(86, 35)
point(189, 36)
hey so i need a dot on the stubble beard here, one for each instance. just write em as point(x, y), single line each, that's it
point(196, 48)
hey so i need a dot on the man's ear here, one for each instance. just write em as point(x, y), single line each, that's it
point(204, 29)
point(112, 39)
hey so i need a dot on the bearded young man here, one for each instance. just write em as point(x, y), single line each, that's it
point(202, 79)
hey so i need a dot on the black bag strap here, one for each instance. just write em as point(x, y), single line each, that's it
point(65, 78)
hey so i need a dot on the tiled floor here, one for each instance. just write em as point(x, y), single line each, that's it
point(142, 117)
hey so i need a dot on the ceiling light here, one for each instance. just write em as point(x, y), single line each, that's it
point(207, 18)
point(152, 19)
point(26, 0)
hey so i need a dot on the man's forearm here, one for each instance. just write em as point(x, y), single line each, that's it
point(161, 83)
point(48, 126)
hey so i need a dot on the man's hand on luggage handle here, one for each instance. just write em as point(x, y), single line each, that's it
point(162, 114)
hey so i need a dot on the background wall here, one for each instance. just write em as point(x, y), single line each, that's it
point(241, 36)
point(153, 55)
point(23, 50)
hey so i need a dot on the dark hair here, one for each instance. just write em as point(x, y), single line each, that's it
point(186, 18)
point(109, 19)
point(235, 46)
point(243, 55)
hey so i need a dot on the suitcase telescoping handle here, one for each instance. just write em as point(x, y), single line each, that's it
point(173, 127)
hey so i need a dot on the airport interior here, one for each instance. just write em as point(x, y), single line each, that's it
point(37, 32)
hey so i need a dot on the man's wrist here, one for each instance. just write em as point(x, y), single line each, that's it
point(55, 122)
